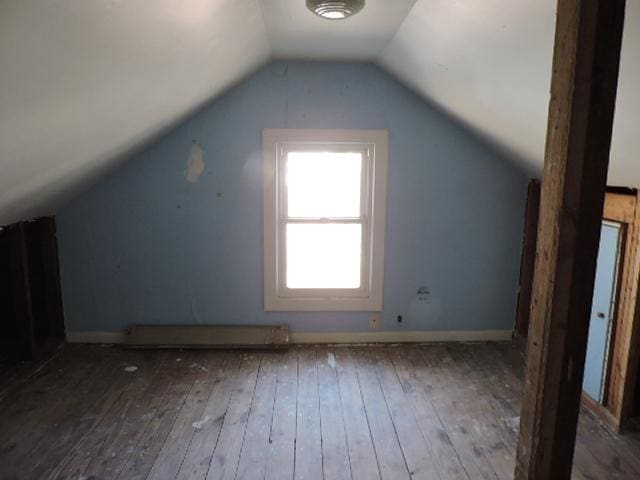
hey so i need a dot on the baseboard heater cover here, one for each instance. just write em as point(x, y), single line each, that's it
point(208, 336)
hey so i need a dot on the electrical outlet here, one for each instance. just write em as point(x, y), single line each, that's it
point(422, 295)
point(374, 320)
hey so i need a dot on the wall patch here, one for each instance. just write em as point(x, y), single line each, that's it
point(195, 164)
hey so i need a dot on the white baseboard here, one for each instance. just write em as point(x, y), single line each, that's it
point(419, 336)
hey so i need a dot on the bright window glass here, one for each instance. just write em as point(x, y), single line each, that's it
point(324, 255)
point(323, 184)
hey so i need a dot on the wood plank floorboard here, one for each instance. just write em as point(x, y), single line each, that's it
point(440, 412)
point(308, 455)
point(253, 457)
point(362, 455)
point(437, 371)
point(335, 454)
point(226, 456)
point(162, 419)
point(391, 460)
point(282, 434)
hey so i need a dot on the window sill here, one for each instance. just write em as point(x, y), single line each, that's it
point(367, 304)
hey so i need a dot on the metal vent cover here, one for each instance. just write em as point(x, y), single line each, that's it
point(335, 9)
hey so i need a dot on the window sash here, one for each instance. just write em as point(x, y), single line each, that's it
point(365, 252)
point(366, 196)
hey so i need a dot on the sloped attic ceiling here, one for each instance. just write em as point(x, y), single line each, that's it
point(488, 63)
point(82, 84)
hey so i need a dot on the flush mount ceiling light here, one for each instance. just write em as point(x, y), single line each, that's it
point(335, 9)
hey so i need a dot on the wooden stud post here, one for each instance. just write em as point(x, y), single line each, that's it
point(46, 230)
point(583, 91)
point(24, 345)
point(527, 262)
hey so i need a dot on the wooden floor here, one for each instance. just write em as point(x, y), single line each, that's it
point(422, 412)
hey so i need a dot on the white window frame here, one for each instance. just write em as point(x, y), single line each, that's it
point(374, 146)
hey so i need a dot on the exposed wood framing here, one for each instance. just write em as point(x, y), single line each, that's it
point(623, 373)
point(31, 314)
point(620, 207)
point(527, 263)
point(583, 91)
point(24, 346)
point(44, 234)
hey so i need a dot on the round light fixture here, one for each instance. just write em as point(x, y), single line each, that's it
point(335, 9)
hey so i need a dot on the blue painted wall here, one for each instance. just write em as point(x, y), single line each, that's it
point(147, 246)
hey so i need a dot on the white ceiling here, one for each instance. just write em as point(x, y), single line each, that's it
point(296, 33)
point(488, 63)
point(83, 84)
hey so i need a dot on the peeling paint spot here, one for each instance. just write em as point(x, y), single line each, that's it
point(195, 164)
point(130, 368)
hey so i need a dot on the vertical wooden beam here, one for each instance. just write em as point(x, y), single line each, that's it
point(583, 91)
point(46, 230)
point(25, 347)
point(527, 263)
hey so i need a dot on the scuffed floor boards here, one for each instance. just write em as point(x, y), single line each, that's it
point(208, 336)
